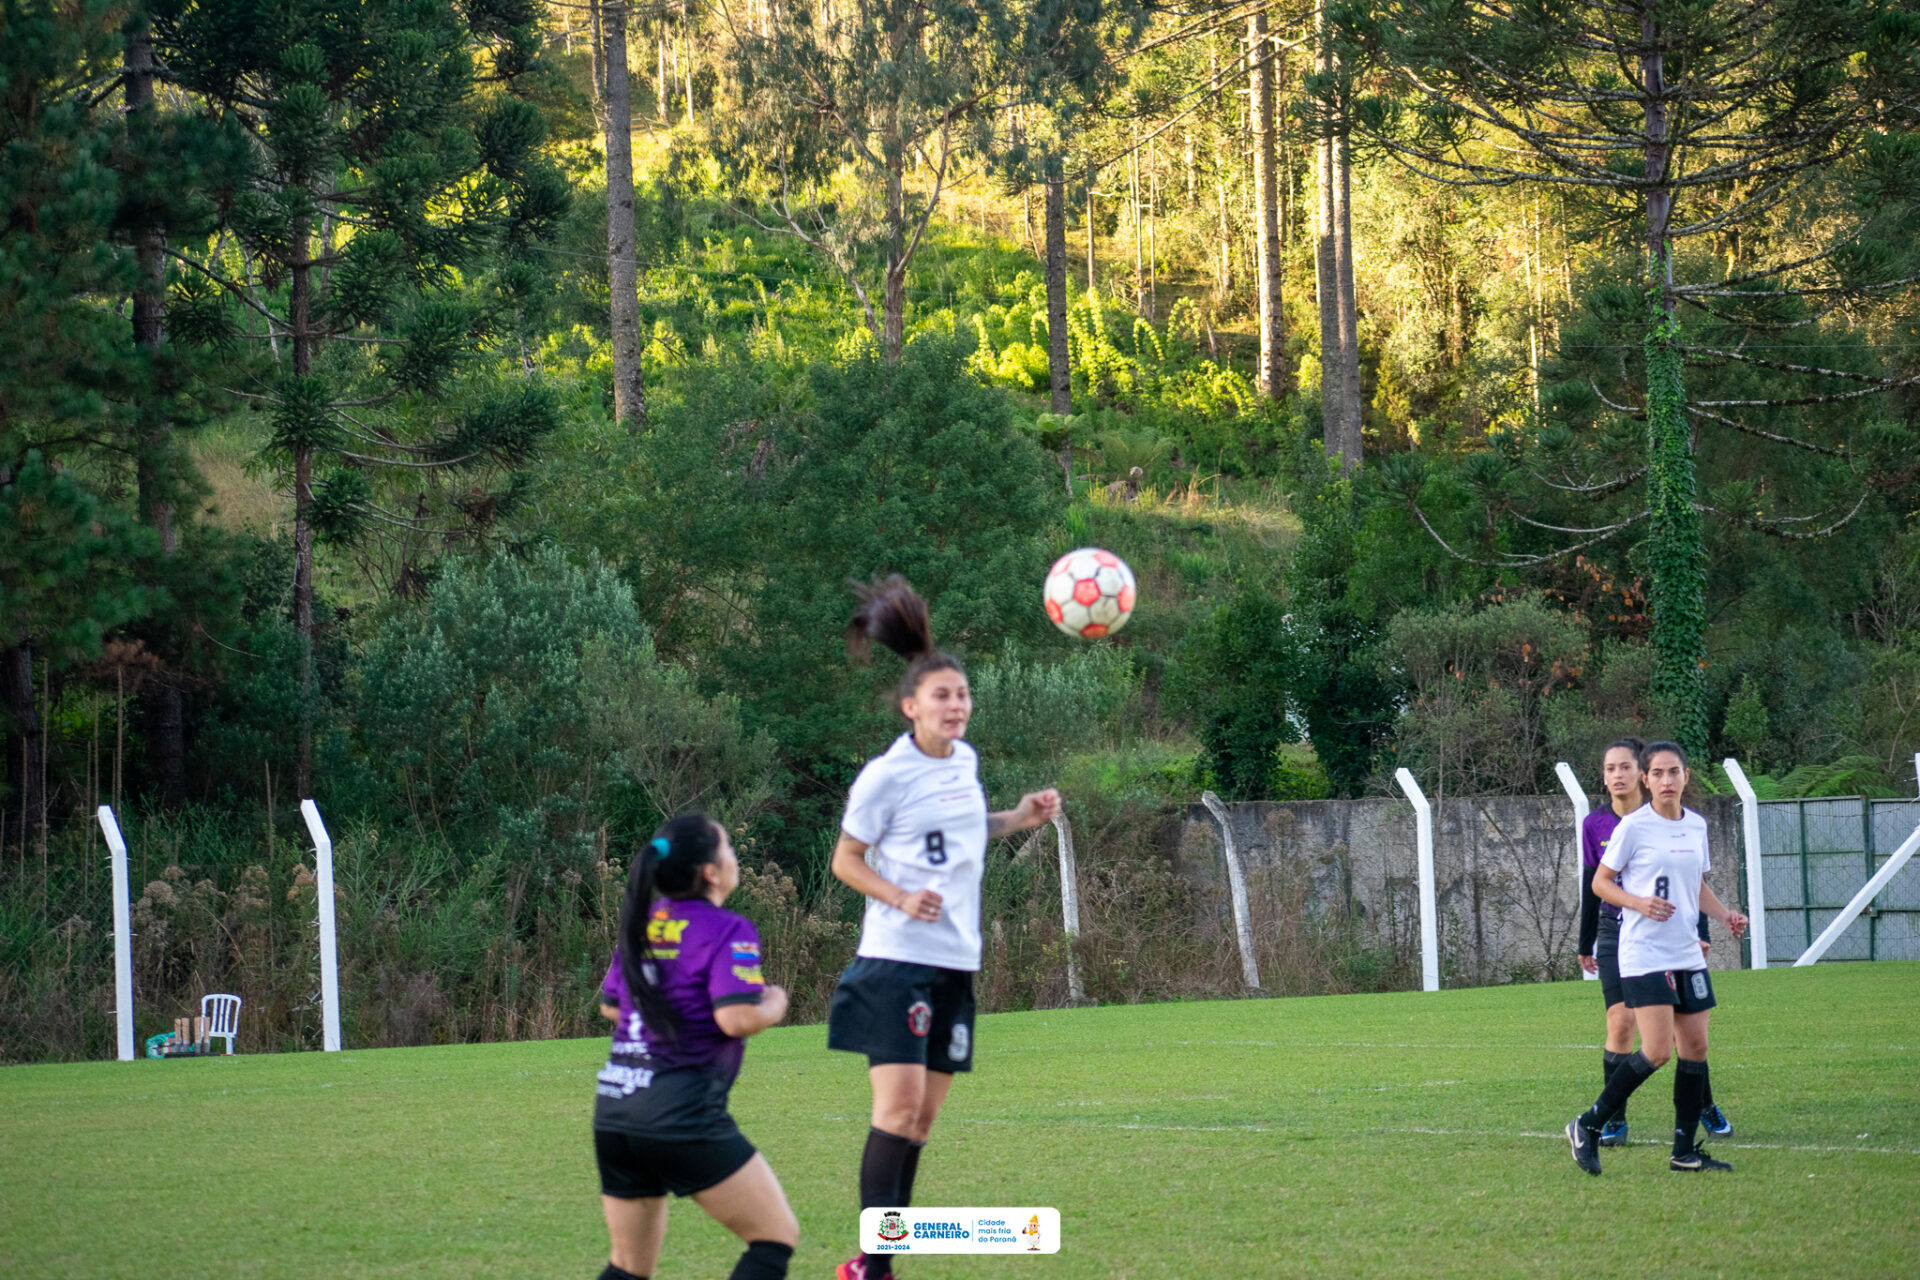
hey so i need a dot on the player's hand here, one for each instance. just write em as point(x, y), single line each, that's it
point(1654, 908)
point(773, 1003)
point(1736, 924)
point(1037, 808)
point(1589, 964)
point(924, 905)
point(1706, 949)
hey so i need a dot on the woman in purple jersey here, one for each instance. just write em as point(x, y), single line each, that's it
point(684, 991)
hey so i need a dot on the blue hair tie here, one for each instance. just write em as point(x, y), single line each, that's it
point(661, 847)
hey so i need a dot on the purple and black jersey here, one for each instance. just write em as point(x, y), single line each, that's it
point(662, 1081)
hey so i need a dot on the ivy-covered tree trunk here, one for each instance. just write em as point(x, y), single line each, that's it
point(1676, 558)
point(1059, 373)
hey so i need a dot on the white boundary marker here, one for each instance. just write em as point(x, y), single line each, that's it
point(1831, 934)
point(329, 956)
point(1069, 905)
point(122, 934)
point(1581, 808)
point(1429, 926)
point(1242, 920)
point(1756, 877)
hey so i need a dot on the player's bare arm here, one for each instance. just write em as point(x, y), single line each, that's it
point(1710, 903)
point(1036, 808)
point(1606, 884)
point(851, 869)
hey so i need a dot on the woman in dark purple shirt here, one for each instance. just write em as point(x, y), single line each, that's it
point(684, 991)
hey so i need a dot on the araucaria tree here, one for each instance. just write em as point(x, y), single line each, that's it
point(839, 105)
point(380, 230)
point(1756, 164)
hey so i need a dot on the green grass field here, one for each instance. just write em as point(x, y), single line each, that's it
point(1377, 1135)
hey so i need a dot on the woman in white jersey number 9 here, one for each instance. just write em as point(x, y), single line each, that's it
point(1655, 870)
point(906, 1001)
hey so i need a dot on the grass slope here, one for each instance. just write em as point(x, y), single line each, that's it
point(1354, 1135)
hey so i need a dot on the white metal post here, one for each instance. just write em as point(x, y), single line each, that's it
point(1756, 879)
point(1860, 901)
point(1581, 808)
point(1242, 920)
point(329, 957)
point(1069, 906)
point(1429, 922)
point(122, 934)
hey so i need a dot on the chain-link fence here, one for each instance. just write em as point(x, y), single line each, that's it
point(1816, 854)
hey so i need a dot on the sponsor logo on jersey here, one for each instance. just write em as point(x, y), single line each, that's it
point(961, 1042)
point(749, 973)
point(662, 929)
point(1699, 986)
point(919, 1017)
point(1671, 985)
point(747, 952)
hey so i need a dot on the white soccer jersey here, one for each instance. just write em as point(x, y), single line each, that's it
point(926, 820)
point(1660, 858)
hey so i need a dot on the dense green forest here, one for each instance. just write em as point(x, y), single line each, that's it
point(470, 414)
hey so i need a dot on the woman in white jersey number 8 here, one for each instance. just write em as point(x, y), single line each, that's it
point(906, 1001)
point(1655, 870)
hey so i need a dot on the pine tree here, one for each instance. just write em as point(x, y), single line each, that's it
point(388, 212)
point(1690, 126)
point(836, 106)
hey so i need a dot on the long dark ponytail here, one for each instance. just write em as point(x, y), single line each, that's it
point(669, 865)
point(893, 613)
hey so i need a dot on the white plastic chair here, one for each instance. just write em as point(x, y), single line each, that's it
point(222, 1013)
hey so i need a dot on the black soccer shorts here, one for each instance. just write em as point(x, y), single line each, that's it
point(633, 1167)
point(1606, 957)
point(1688, 990)
point(895, 1012)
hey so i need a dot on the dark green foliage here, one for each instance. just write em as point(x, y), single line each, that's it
point(69, 563)
point(912, 468)
point(1239, 672)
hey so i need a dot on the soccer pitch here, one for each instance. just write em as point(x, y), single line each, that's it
point(1405, 1134)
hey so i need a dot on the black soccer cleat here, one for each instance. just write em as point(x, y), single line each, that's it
point(1615, 1134)
point(1697, 1161)
point(1586, 1150)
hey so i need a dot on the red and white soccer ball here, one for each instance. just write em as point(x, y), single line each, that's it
point(1089, 593)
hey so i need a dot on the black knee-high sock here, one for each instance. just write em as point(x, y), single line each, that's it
point(881, 1170)
point(1632, 1072)
point(614, 1273)
point(763, 1260)
point(1689, 1079)
point(1608, 1061)
point(908, 1170)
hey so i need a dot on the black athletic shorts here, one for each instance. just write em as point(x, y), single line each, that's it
point(893, 1011)
point(633, 1167)
point(1689, 990)
point(1606, 956)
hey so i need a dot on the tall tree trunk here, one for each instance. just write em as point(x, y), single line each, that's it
point(623, 268)
point(893, 307)
point(1327, 300)
point(166, 741)
point(1350, 402)
point(1676, 554)
point(1139, 262)
point(1092, 173)
point(687, 31)
point(1273, 338)
point(26, 759)
point(1059, 375)
point(299, 314)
